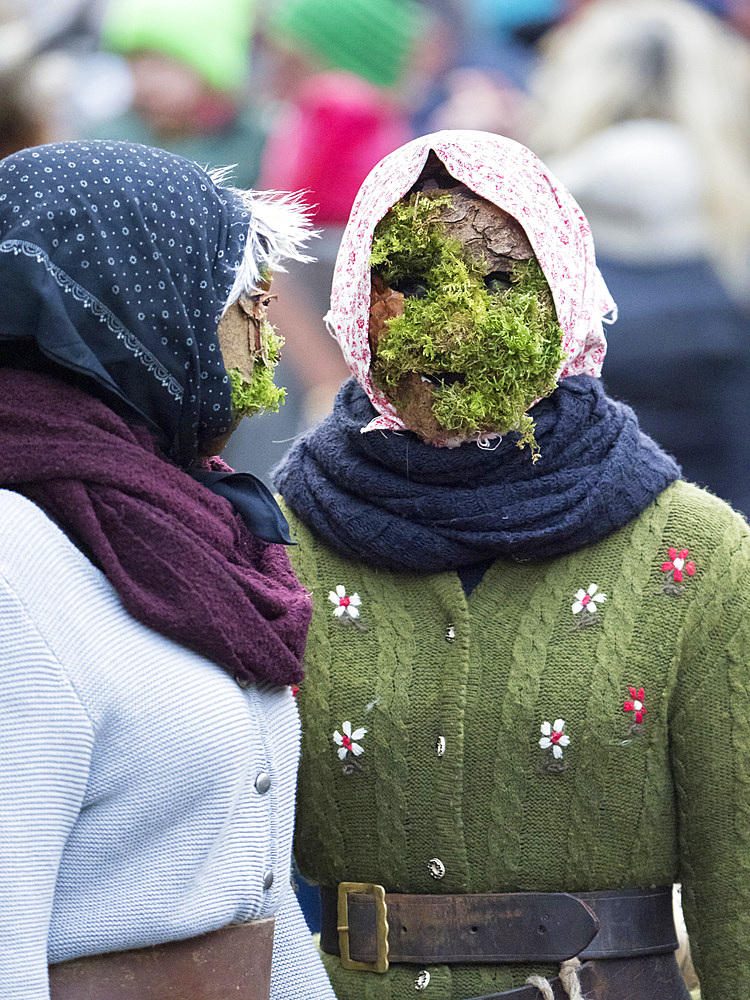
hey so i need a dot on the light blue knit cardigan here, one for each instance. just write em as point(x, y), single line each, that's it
point(129, 812)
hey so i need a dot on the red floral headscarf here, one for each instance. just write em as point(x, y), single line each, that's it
point(510, 176)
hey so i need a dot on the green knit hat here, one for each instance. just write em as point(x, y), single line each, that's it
point(372, 38)
point(211, 36)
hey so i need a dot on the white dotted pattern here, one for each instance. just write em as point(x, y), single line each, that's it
point(133, 252)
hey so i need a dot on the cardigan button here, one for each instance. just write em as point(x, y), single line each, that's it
point(436, 867)
point(262, 782)
point(450, 633)
point(440, 746)
point(268, 880)
point(422, 981)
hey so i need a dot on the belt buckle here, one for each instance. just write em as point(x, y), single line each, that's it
point(381, 925)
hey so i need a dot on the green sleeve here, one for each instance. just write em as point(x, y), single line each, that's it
point(710, 751)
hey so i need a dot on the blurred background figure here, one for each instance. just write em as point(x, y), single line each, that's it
point(643, 111)
point(343, 77)
point(349, 76)
point(22, 119)
point(52, 75)
point(189, 62)
point(738, 13)
point(485, 87)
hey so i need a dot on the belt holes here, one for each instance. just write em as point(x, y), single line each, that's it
point(403, 929)
point(474, 930)
point(542, 929)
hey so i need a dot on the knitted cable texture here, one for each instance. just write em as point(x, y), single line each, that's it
point(391, 735)
point(636, 576)
point(574, 724)
point(710, 728)
point(739, 684)
point(612, 640)
point(522, 690)
point(322, 815)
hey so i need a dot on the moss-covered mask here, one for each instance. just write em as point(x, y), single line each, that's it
point(250, 348)
point(463, 329)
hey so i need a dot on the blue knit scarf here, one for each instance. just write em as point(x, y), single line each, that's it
point(396, 502)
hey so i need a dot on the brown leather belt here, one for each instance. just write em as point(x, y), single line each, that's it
point(233, 962)
point(370, 928)
point(655, 977)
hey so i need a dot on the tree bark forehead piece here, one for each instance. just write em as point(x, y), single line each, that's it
point(241, 333)
point(489, 234)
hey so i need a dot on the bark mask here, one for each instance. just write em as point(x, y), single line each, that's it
point(250, 347)
point(463, 330)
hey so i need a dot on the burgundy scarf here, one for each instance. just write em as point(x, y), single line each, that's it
point(179, 557)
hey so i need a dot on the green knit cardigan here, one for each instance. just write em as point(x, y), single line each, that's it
point(435, 759)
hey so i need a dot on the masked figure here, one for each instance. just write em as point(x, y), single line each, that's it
point(524, 706)
point(150, 622)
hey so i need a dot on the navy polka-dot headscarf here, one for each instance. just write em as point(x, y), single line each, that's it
point(117, 259)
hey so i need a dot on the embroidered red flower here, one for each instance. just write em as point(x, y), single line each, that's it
point(344, 605)
point(553, 737)
point(637, 704)
point(587, 599)
point(677, 564)
point(346, 740)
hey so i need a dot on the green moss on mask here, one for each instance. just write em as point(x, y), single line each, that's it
point(410, 240)
point(489, 353)
point(259, 393)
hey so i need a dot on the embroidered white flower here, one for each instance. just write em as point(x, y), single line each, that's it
point(346, 741)
point(344, 605)
point(553, 736)
point(588, 599)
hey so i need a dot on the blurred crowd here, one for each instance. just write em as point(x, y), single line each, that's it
point(641, 107)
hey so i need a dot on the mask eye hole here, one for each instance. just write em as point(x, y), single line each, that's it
point(497, 282)
point(441, 379)
point(410, 288)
